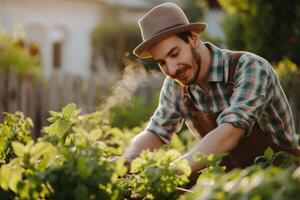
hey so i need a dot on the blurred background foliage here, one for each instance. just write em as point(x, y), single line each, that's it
point(134, 114)
point(269, 28)
point(16, 57)
point(112, 38)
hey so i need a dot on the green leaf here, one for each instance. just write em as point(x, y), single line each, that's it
point(79, 132)
point(83, 168)
point(54, 116)
point(41, 153)
point(95, 135)
point(52, 119)
point(5, 172)
point(101, 145)
point(15, 177)
point(153, 174)
point(120, 168)
point(68, 110)
point(184, 167)
point(59, 128)
point(197, 157)
point(136, 165)
point(19, 148)
point(268, 154)
point(29, 122)
point(81, 192)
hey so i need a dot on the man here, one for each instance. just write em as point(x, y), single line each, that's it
point(232, 100)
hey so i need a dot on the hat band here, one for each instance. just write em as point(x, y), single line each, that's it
point(168, 28)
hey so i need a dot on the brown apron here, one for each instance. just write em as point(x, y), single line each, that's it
point(249, 147)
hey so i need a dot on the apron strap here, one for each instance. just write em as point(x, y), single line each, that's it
point(233, 63)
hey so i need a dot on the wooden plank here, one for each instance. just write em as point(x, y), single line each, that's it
point(2, 95)
point(92, 92)
point(28, 99)
point(44, 107)
point(77, 92)
point(40, 117)
point(73, 91)
point(67, 93)
point(98, 89)
point(55, 91)
point(298, 121)
point(12, 93)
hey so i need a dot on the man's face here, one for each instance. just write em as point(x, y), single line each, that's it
point(177, 59)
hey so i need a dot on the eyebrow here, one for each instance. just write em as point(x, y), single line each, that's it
point(171, 50)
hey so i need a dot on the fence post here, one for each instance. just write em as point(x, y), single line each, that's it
point(55, 91)
point(12, 93)
point(67, 95)
point(43, 89)
point(2, 94)
point(77, 91)
point(28, 99)
point(92, 92)
point(73, 91)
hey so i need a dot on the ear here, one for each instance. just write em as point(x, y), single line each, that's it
point(195, 39)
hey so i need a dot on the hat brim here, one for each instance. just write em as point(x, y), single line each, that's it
point(142, 49)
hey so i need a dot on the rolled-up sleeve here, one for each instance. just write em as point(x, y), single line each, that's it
point(167, 119)
point(252, 88)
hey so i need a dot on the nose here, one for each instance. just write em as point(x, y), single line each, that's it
point(171, 69)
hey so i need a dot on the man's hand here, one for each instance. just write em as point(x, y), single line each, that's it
point(142, 141)
point(220, 140)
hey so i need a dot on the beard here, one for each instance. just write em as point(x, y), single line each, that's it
point(197, 61)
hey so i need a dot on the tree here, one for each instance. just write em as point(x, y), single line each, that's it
point(270, 28)
point(195, 9)
point(113, 38)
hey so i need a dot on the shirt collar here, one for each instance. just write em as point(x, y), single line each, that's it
point(216, 70)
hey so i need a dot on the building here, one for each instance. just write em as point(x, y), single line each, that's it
point(61, 28)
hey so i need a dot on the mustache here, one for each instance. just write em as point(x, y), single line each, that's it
point(178, 72)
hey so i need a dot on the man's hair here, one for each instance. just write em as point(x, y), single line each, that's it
point(185, 36)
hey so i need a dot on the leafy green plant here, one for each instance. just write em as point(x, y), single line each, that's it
point(15, 127)
point(62, 122)
point(154, 179)
point(73, 160)
point(251, 183)
point(65, 156)
point(281, 158)
point(260, 181)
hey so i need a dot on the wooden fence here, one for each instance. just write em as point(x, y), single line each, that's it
point(36, 98)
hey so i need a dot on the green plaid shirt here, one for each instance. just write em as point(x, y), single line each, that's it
point(257, 97)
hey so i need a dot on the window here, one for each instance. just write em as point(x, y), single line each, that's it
point(57, 55)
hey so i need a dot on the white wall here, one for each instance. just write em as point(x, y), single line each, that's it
point(50, 20)
point(213, 18)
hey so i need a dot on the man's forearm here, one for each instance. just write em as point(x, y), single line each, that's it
point(220, 140)
point(142, 141)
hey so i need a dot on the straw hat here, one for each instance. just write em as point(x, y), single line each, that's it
point(161, 22)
